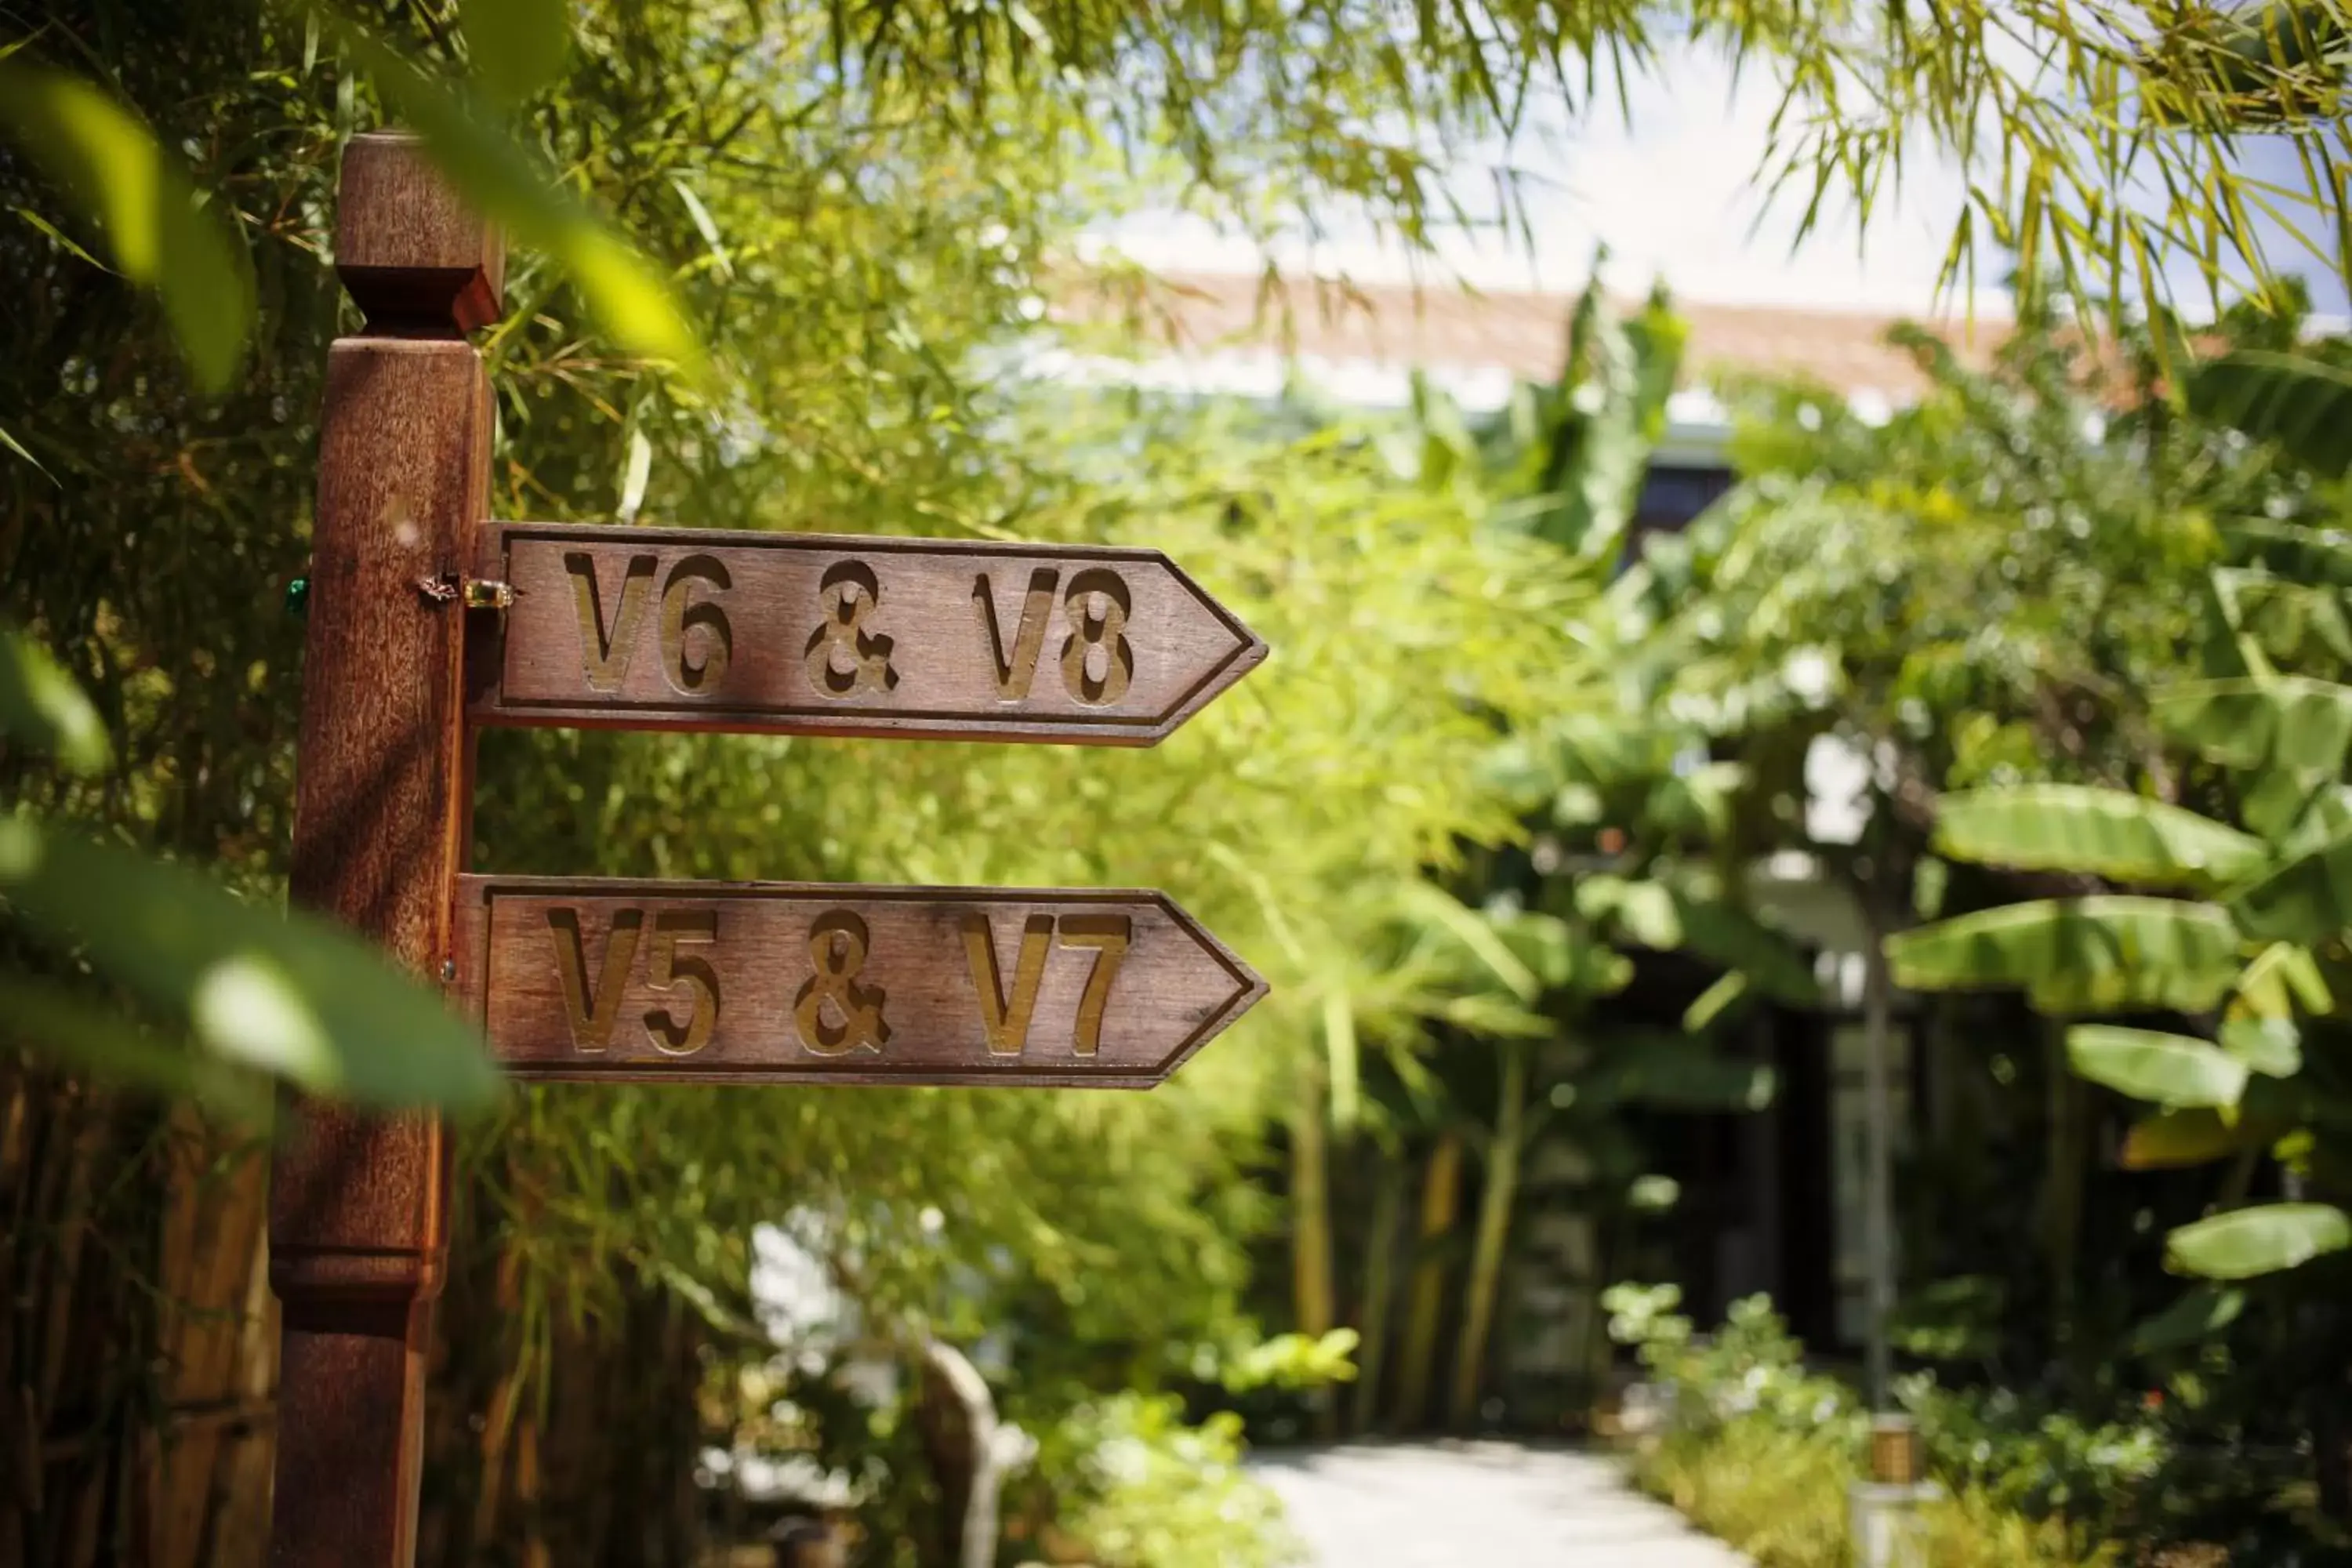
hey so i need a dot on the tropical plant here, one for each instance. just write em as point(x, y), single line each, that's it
point(2205, 892)
point(2249, 949)
point(1982, 587)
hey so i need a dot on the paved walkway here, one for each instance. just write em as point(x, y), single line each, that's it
point(1479, 1505)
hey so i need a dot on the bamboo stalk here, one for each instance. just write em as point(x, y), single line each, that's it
point(1493, 1233)
point(1441, 1191)
point(1380, 1285)
point(1310, 1197)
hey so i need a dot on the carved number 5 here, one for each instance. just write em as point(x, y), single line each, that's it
point(667, 969)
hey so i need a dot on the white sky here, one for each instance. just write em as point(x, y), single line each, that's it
point(1670, 190)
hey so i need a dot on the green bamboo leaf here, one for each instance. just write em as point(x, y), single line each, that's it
point(2305, 901)
point(2110, 953)
point(157, 232)
point(1339, 1047)
point(43, 1017)
point(2288, 722)
point(628, 298)
point(1715, 1001)
point(2107, 833)
point(41, 708)
point(1435, 909)
point(2167, 1069)
point(700, 216)
point(2264, 1240)
point(18, 448)
point(289, 995)
point(516, 46)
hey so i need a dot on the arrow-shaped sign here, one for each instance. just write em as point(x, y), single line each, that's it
point(648, 629)
point(600, 978)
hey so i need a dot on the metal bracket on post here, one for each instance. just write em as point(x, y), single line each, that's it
point(358, 1204)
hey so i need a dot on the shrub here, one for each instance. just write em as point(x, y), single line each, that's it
point(1135, 1487)
point(1778, 1495)
point(1759, 1450)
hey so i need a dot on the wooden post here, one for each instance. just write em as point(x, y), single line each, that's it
point(357, 1203)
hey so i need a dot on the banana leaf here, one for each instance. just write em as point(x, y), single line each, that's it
point(2167, 1070)
point(2291, 550)
point(2173, 1140)
point(2106, 954)
point(2202, 1312)
point(2306, 901)
point(2281, 978)
point(2298, 402)
point(2263, 1239)
point(2288, 722)
point(2292, 622)
point(2103, 832)
point(1676, 1072)
point(2272, 1046)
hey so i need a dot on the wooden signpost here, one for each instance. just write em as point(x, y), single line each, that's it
point(427, 622)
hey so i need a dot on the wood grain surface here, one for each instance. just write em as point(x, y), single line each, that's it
point(358, 1204)
point(590, 978)
point(407, 249)
point(715, 629)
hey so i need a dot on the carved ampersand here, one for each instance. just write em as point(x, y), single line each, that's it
point(837, 948)
point(844, 659)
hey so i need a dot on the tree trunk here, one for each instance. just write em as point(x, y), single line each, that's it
point(1878, 1221)
point(1380, 1284)
point(1494, 1232)
point(1441, 1191)
point(958, 1420)
point(1310, 1257)
point(2062, 1220)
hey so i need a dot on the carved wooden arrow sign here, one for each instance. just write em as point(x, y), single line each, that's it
point(597, 978)
point(653, 628)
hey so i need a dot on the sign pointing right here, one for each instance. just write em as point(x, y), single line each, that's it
point(599, 978)
point(653, 628)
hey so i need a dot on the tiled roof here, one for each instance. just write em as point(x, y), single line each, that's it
point(1440, 326)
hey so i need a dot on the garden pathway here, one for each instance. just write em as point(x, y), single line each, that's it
point(1477, 1505)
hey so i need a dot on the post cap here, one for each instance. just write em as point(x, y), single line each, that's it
point(408, 250)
